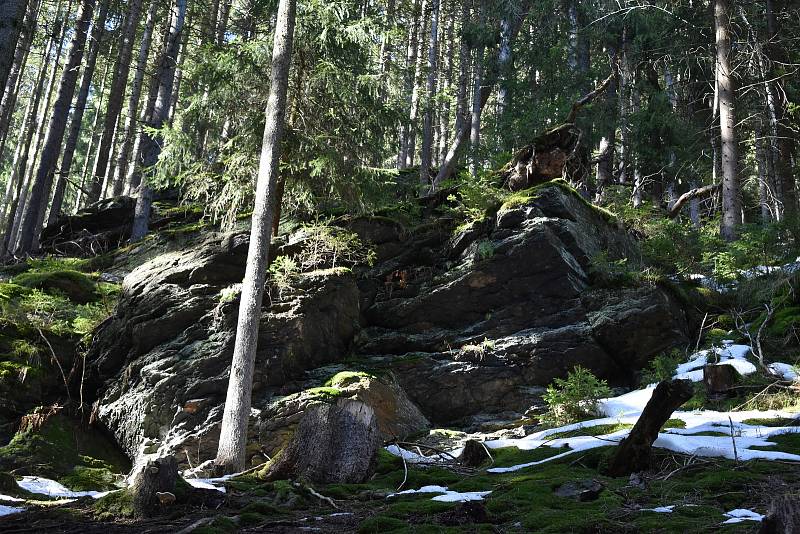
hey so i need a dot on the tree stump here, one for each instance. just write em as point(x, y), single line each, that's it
point(333, 443)
point(719, 379)
point(474, 454)
point(153, 487)
point(633, 454)
point(783, 516)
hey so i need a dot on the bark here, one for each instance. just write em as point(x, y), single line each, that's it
point(783, 516)
point(463, 70)
point(17, 67)
point(446, 84)
point(427, 127)
point(134, 176)
point(126, 137)
point(43, 181)
point(625, 82)
point(633, 454)
point(231, 453)
point(18, 175)
point(12, 13)
point(98, 29)
point(719, 379)
point(115, 100)
point(151, 147)
point(731, 204)
point(765, 194)
point(149, 486)
point(224, 16)
point(335, 443)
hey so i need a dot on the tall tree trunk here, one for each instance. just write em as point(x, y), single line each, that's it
point(413, 115)
point(731, 204)
point(462, 102)
point(134, 177)
point(410, 81)
point(784, 137)
point(12, 13)
point(15, 77)
point(224, 16)
point(21, 157)
point(43, 181)
point(151, 147)
point(446, 85)
point(625, 77)
point(115, 98)
point(427, 125)
point(233, 435)
point(477, 106)
point(73, 136)
point(605, 157)
point(126, 138)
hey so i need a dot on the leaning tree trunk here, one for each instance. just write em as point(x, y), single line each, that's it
point(43, 181)
point(115, 98)
point(731, 204)
point(73, 136)
point(12, 13)
point(633, 454)
point(151, 147)
point(231, 453)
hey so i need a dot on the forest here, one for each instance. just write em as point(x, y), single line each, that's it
point(399, 266)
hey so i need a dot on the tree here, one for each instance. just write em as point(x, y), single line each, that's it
point(427, 126)
point(151, 148)
point(233, 436)
point(11, 15)
point(115, 98)
point(43, 181)
point(731, 204)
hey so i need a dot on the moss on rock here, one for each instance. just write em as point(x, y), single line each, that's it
point(77, 286)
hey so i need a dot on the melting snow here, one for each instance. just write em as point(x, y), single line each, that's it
point(10, 498)
point(209, 483)
point(51, 488)
point(446, 494)
point(8, 510)
point(730, 354)
point(740, 514)
point(784, 370)
point(660, 509)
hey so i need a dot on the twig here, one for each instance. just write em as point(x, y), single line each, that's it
point(700, 334)
point(733, 439)
point(53, 352)
point(487, 451)
point(319, 496)
point(405, 473)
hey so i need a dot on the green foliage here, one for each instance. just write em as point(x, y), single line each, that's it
point(485, 250)
point(607, 272)
point(76, 286)
point(282, 271)
point(574, 398)
point(662, 367)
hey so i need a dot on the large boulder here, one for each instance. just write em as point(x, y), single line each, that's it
point(162, 360)
point(512, 307)
point(93, 230)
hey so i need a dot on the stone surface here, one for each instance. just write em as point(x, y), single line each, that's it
point(464, 323)
point(93, 230)
point(161, 361)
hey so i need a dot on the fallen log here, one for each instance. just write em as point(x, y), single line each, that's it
point(633, 454)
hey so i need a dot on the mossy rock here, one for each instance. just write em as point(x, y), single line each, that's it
point(716, 336)
point(75, 285)
point(116, 505)
point(62, 448)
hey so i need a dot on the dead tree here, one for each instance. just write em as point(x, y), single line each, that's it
point(154, 486)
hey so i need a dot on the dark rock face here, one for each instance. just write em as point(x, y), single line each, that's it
point(468, 322)
point(515, 309)
point(162, 360)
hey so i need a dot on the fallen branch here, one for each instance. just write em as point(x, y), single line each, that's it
point(55, 358)
point(689, 195)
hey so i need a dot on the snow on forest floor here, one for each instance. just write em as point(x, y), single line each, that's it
point(705, 433)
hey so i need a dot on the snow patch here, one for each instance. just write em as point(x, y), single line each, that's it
point(740, 514)
point(8, 510)
point(51, 488)
point(446, 494)
point(660, 509)
point(10, 498)
point(784, 370)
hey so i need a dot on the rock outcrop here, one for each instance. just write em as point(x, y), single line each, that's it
point(454, 323)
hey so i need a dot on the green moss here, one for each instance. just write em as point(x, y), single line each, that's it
point(771, 421)
point(118, 504)
point(324, 392)
point(716, 336)
point(510, 456)
point(785, 443)
point(59, 447)
point(784, 321)
point(346, 378)
point(381, 523)
point(262, 508)
point(525, 197)
point(247, 519)
point(77, 286)
point(674, 423)
point(90, 478)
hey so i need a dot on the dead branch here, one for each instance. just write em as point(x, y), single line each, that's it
point(689, 195)
point(588, 98)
